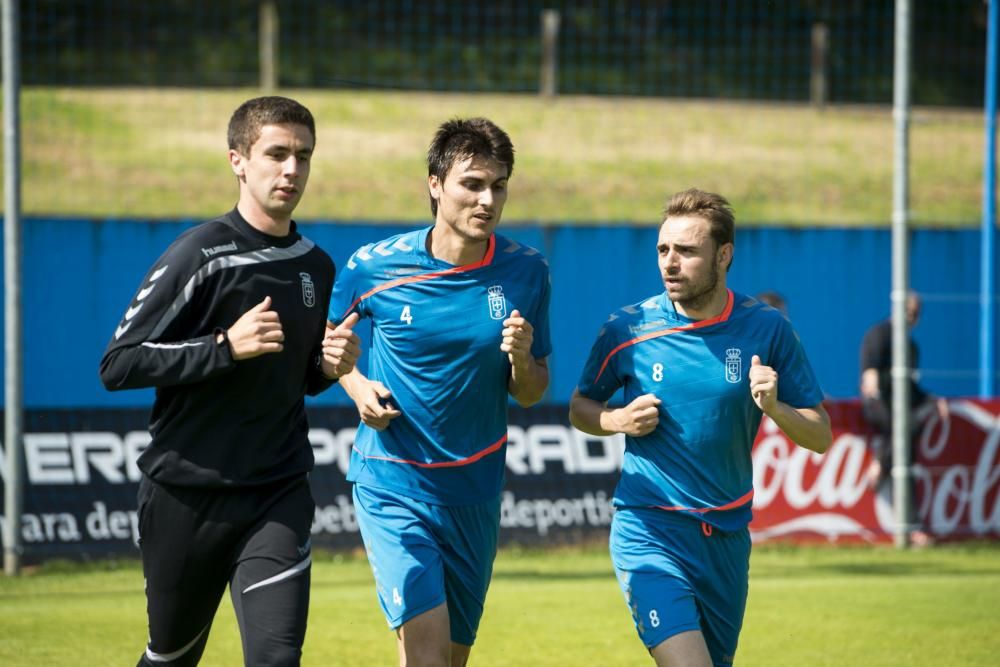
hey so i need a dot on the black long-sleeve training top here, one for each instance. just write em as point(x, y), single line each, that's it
point(217, 422)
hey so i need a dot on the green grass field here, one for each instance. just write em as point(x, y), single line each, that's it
point(161, 153)
point(812, 606)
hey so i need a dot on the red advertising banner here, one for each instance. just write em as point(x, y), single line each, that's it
point(956, 470)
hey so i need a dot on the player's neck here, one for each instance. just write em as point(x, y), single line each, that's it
point(444, 244)
point(263, 221)
point(708, 307)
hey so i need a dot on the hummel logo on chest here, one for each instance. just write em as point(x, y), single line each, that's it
point(636, 329)
point(211, 252)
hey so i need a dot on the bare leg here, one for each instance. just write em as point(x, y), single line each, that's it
point(459, 654)
point(425, 640)
point(687, 649)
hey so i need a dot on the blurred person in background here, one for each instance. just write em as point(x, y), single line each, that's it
point(774, 300)
point(230, 327)
point(700, 365)
point(459, 322)
point(876, 395)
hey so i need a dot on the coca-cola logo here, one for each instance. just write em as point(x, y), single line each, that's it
point(959, 470)
point(956, 475)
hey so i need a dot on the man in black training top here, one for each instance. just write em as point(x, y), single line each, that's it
point(230, 327)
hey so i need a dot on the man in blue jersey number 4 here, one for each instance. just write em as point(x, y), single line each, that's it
point(459, 321)
point(699, 365)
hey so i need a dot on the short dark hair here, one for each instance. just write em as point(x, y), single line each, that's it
point(462, 138)
point(709, 206)
point(247, 121)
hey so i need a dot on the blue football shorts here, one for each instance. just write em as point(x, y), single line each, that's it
point(424, 554)
point(679, 574)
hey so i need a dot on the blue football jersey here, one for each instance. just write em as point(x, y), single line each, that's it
point(697, 459)
point(436, 334)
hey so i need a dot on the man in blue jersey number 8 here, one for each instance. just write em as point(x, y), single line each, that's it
point(459, 320)
point(699, 365)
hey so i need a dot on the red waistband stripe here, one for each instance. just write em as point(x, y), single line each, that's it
point(442, 464)
point(739, 502)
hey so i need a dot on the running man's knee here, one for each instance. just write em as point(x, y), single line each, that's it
point(425, 640)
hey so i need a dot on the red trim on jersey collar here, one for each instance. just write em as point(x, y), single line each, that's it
point(491, 245)
point(739, 502)
point(442, 464)
point(721, 317)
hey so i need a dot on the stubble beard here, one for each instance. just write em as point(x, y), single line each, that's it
point(473, 232)
point(701, 293)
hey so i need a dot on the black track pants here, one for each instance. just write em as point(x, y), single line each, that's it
point(196, 541)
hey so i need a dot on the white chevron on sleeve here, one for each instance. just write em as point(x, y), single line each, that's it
point(513, 247)
point(122, 328)
point(131, 312)
point(362, 254)
point(145, 291)
point(381, 249)
point(402, 245)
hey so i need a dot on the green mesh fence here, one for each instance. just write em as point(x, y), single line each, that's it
point(782, 105)
point(739, 49)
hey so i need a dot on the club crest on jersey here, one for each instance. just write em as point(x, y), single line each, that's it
point(734, 365)
point(498, 304)
point(308, 290)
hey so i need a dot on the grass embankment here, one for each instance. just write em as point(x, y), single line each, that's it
point(160, 153)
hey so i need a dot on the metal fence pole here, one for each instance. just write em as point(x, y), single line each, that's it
point(268, 45)
point(13, 377)
point(548, 84)
point(902, 500)
point(818, 86)
point(987, 268)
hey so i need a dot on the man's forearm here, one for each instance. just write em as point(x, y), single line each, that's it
point(591, 416)
point(154, 364)
point(351, 382)
point(807, 427)
point(869, 383)
point(528, 384)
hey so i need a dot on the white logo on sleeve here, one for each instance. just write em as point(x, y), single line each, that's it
point(308, 290)
point(497, 303)
point(396, 597)
point(134, 310)
point(734, 365)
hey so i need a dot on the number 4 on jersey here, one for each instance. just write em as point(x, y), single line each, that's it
point(405, 316)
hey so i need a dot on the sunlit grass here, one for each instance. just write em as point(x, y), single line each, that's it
point(160, 153)
point(808, 606)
